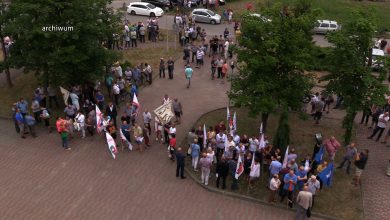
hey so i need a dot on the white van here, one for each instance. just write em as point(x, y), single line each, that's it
point(325, 26)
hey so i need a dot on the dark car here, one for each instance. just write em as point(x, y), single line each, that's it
point(160, 3)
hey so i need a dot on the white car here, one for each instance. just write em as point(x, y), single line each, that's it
point(144, 8)
point(325, 26)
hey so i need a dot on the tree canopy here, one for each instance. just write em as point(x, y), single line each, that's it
point(75, 55)
point(351, 77)
point(274, 51)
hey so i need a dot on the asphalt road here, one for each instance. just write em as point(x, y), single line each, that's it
point(166, 22)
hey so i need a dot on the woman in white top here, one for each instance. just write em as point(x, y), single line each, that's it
point(254, 173)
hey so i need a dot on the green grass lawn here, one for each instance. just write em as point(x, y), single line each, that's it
point(341, 200)
point(338, 10)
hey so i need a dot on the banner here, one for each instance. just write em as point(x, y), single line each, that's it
point(124, 139)
point(262, 142)
point(111, 145)
point(164, 112)
point(99, 119)
point(65, 95)
point(285, 159)
point(240, 167)
point(326, 175)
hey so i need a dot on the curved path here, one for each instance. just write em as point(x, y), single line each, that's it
point(39, 180)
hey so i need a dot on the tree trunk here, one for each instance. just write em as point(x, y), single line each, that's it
point(8, 77)
point(348, 125)
point(264, 120)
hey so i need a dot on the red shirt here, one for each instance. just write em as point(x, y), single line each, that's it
point(172, 142)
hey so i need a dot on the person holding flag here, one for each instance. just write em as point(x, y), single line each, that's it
point(289, 180)
point(255, 171)
point(125, 135)
point(326, 175)
point(233, 165)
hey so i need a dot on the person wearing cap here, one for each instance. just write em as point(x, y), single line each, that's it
point(195, 152)
point(274, 185)
point(188, 74)
point(313, 186)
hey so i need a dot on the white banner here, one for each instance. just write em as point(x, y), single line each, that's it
point(65, 95)
point(111, 145)
point(164, 112)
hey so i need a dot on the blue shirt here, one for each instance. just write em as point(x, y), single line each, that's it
point(195, 150)
point(19, 117)
point(301, 174)
point(188, 72)
point(23, 105)
point(275, 167)
point(287, 184)
point(30, 120)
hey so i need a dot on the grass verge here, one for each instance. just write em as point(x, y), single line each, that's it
point(341, 200)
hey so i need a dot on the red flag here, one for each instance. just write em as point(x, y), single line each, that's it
point(240, 167)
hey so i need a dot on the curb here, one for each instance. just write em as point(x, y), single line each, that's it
point(239, 196)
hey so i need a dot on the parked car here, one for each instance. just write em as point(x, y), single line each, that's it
point(160, 3)
point(205, 16)
point(377, 63)
point(325, 26)
point(144, 8)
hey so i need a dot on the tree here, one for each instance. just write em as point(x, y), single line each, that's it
point(350, 73)
point(4, 65)
point(282, 136)
point(274, 51)
point(73, 55)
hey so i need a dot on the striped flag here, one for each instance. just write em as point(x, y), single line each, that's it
point(240, 167)
point(124, 139)
point(229, 118)
point(136, 103)
point(99, 119)
point(285, 159)
point(204, 136)
point(111, 145)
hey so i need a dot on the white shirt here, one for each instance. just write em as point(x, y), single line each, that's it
point(116, 89)
point(227, 45)
point(253, 144)
point(172, 130)
point(119, 71)
point(80, 119)
point(274, 184)
point(382, 121)
point(147, 117)
point(220, 140)
point(255, 170)
point(75, 100)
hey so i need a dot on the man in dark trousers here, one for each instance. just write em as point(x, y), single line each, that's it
point(111, 111)
point(232, 167)
point(222, 172)
point(180, 158)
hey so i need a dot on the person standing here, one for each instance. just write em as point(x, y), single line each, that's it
point(213, 67)
point(195, 152)
point(224, 72)
point(254, 172)
point(219, 63)
point(221, 139)
point(314, 187)
point(147, 120)
point(233, 167)
point(138, 136)
point(172, 146)
point(36, 109)
point(30, 122)
point(162, 68)
point(180, 157)
point(274, 185)
point(177, 109)
point(205, 166)
point(80, 119)
point(188, 74)
point(52, 96)
point(318, 108)
point(22, 105)
point(290, 180)
point(348, 157)
point(304, 203)
point(116, 91)
point(360, 164)
point(331, 146)
point(171, 67)
point(112, 112)
point(380, 126)
point(222, 172)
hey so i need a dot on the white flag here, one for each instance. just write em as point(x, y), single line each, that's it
point(136, 103)
point(234, 122)
point(285, 158)
point(111, 145)
point(261, 128)
point(124, 139)
point(262, 142)
point(65, 95)
point(204, 137)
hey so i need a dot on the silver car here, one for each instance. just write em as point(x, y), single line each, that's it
point(205, 16)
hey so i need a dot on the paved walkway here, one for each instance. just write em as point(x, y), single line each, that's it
point(375, 183)
point(39, 180)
